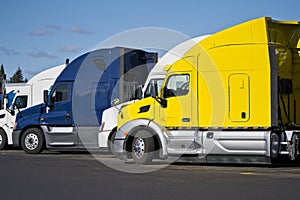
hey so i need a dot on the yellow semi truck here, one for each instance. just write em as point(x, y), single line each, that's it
point(233, 97)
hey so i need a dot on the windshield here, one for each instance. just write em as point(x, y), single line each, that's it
point(128, 92)
point(153, 87)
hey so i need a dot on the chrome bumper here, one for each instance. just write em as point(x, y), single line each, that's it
point(119, 150)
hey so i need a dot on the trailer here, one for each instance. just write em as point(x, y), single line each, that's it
point(232, 98)
point(19, 96)
point(70, 117)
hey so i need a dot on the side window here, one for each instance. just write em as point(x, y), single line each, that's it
point(177, 85)
point(100, 64)
point(21, 101)
point(61, 93)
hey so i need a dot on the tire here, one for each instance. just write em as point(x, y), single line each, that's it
point(143, 147)
point(3, 140)
point(110, 142)
point(32, 141)
point(294, 148)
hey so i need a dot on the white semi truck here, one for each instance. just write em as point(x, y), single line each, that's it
point(152, 86)
point(18, 96)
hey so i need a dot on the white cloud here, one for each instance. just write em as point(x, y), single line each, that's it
point(8, 51)
point(55, 27)
point(41, 54)
point(40, 32)
point(77, 29)
point(70, 48)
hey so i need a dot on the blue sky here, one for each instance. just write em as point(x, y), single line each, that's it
point(39, 34)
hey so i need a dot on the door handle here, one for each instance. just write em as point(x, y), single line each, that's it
point(185, 119)
point(67, 116)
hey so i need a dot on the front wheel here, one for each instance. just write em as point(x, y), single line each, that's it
point(3, 139)
point(110, 142)
point(143, 147)
point(32, 141)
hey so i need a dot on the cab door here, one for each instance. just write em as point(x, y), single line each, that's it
point(59, 119)
point(179, 105)
point(60, 112)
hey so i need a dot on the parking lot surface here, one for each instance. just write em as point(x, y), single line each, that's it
point(53, 175)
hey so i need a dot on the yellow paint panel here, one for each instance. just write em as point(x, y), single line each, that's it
point(253, 31)
point(141, 109)
point(231, 75)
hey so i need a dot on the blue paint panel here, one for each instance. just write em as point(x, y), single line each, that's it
point(70, 72)
point(30, 116)
point(10, 97)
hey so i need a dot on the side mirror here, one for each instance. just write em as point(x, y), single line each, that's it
point(153, 96)
point(139, 93)
point(46, 97)
point(162, 101)
point(12, 112)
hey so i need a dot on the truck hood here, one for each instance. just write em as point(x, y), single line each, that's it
point(2, 111)
point(37, 109)
point(2, 114)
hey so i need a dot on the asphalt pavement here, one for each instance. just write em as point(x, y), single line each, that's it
point(62, 176)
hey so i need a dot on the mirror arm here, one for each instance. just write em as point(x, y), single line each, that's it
point(12, 112)
point(161, 101)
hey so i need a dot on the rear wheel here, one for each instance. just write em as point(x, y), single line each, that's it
point(143, 147)
point(3, 139)
point(32, 141)
point(294, 147)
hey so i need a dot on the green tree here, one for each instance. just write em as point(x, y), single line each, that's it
point(18, 77)
point(2, 71)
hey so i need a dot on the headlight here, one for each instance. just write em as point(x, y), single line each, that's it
point(15, 126)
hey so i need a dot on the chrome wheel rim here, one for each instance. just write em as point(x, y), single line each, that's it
point(139, 148)
point(1, 139)
point(31, 141)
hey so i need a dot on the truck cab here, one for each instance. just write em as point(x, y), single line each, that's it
point(18, 96)
point(232, 98)
point(151, 88)
point(70, 117)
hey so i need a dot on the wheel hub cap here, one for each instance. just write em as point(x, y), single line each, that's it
point(31, 141)
point(139, 148)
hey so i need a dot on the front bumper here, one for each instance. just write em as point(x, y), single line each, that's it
point(103, 138)
point(16, 138)
point(119, 149)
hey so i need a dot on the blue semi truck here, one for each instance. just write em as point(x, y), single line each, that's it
point(70, 117)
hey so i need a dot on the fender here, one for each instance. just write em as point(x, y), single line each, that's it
point(129, 128)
